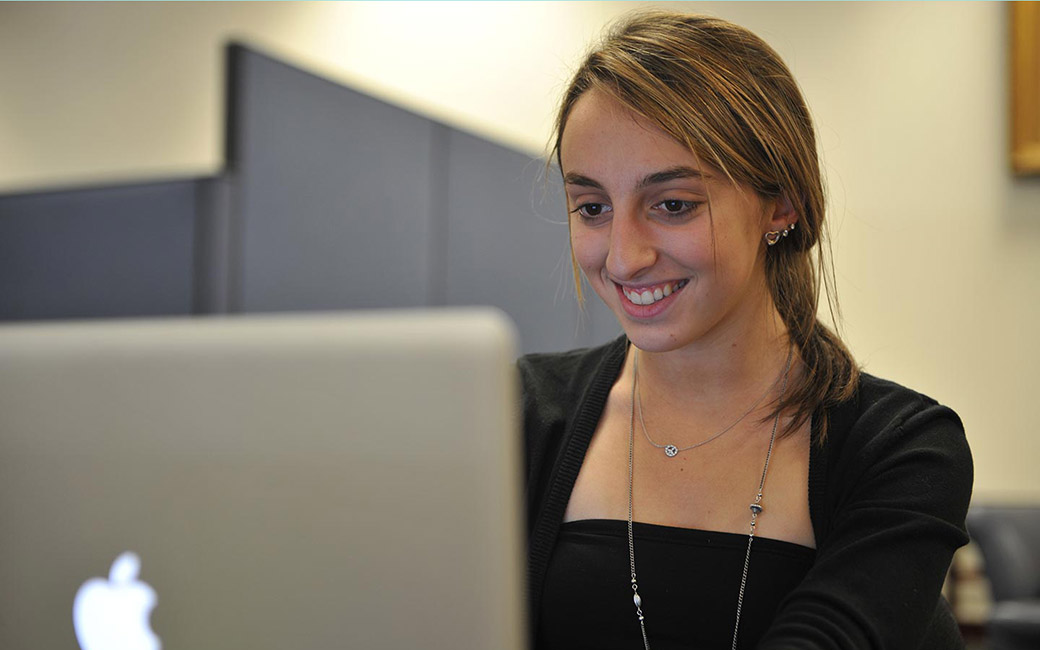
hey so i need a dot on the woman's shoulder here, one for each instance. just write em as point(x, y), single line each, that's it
point(881, 409)
point(894, 451)
point(565, 375)
point(891, 438)
point(561, 387)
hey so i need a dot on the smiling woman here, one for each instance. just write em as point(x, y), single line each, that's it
point(642, 225)
point(775, 497)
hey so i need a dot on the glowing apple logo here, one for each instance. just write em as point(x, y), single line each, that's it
point(113, 614)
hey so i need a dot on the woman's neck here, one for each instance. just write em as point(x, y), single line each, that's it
point(713, 374)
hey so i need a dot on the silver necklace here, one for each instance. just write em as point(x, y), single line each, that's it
point(672, 451)
point(755, 507)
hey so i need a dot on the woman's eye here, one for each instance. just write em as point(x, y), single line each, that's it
point(592, 210)
point(675, 207)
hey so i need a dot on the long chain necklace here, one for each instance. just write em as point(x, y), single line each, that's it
point(672, 451)
point(755, 507)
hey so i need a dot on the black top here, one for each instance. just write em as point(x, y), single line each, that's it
point(587, 600)
point(888, 492)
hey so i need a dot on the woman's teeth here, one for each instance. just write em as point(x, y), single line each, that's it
point(650, 296)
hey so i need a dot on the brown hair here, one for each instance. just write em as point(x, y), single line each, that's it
point(724, 93)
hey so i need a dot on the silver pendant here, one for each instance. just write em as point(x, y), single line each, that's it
point(671, 451)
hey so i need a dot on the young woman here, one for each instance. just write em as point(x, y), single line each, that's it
point(722, 475)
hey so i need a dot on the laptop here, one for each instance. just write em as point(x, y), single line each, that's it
point(294, 482)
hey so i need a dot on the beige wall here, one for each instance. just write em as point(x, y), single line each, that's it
point(937, 246)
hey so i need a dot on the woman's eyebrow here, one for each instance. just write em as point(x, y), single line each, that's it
point(584, 181)
point(650, 179)
point(671, 175)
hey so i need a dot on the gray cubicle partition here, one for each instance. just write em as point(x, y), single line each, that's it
point(331, 199)
point(98, 253)
point(343, 201)
point(331, 203)
point(507, 243)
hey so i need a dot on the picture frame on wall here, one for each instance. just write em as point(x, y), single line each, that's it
point(1025, 87)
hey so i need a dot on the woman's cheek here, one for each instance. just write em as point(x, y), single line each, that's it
point(586, 252)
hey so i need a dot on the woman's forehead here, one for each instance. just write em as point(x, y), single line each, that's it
point(604, 138)
point(599, 125)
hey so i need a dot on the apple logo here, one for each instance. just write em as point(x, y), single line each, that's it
point(113, 614)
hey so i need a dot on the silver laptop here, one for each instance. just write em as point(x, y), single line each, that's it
point(291, 482)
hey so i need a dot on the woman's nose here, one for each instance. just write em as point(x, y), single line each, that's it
point(632, 248)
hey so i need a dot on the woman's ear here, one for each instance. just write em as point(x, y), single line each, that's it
point(783, 214)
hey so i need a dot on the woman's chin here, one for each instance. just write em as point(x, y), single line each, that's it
point(653, 339)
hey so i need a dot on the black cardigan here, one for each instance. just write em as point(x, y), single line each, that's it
point(888, 492)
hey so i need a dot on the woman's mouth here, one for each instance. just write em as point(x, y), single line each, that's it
point(650, 295)
point(650, 300)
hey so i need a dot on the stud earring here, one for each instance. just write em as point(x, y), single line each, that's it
point(773, 236)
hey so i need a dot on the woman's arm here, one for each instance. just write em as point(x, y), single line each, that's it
point(892, 497)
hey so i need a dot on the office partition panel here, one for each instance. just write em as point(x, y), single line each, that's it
point(507, 241)
point(330, 202)
point(101, 252)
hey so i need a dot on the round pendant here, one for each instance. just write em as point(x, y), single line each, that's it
point(671, 451)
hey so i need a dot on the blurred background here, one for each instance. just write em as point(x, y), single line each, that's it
point(146, 169)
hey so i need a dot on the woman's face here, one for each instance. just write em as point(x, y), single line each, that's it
point(641, 229)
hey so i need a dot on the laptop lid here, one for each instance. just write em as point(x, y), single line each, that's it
point(319, 481)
